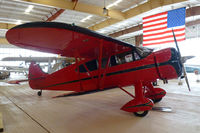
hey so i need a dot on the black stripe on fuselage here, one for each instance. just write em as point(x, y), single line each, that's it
point(113, 73)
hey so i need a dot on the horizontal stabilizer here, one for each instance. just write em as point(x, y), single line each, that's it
point(16, 81)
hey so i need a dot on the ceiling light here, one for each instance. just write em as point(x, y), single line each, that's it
point(30, 7)
point(114, 4)
point(18, 22)
point(105, 11)
point(101, 31)
point(86, 18)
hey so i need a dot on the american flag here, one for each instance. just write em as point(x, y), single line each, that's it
point(157, 29)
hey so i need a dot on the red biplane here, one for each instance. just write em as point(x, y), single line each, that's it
point(101, 62)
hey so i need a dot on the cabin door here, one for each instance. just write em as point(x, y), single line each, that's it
point(89, 75)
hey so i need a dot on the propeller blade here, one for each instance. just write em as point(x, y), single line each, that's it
point(186, 79)
point(184, 71)
point(185, 58)
point(176, 43)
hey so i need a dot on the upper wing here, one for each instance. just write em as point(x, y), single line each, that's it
point(65, 39)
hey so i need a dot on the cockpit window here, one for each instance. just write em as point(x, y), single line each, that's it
point(92, 65)
point(133, 55)
point(121, 58)
point(136, 56)
point(82, 69)
point(143, 52)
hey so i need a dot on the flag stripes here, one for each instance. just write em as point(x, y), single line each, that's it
point(156, 30)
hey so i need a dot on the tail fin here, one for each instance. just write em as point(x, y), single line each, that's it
point(36, 76)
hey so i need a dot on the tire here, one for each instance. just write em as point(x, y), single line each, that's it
point(155, 83)
point(141, 113)
point(39, 93)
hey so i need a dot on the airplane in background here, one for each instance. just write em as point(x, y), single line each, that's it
point(4, 74)
point(17, 68)
point(101, 62)
point(60, 62)
point(38, 59)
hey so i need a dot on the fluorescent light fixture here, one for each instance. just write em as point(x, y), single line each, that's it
point(105, 11)
point(18, 22)
point(114, 4)
point(101, 31)
point(30, 7)
point(142, 2)
point(86, 18)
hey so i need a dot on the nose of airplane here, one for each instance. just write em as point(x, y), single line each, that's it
point(176, 61)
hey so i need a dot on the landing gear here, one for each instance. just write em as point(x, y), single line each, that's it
point(157, 100)
point(155, 94)
point(39, 93)
point(141, 113)
point(140, 105)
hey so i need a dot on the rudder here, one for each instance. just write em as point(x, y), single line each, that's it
point(36, 76)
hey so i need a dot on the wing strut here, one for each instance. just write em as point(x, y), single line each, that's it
point(79, 77)
point(104, 74)
point(88, 71)
point(100, 62)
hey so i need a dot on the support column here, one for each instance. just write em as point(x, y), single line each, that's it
point(1, 122)
point(138, 40)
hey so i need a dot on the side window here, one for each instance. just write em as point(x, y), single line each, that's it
point(82, 69)
point(136, 56)
point(91, 65)
point(113, 61)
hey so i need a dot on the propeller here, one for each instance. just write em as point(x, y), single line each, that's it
point(185, 58)
point(184, 71)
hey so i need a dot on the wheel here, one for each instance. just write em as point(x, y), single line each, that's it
point(155, 83)
point(39, 93)
point(141, 113)
point(157, 100)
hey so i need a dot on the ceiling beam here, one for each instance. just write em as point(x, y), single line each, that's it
point(151, 4)
point(193, 11)
point(126, 31)
point(193, 23)
point(82, 7)
point(6, 25)
point(54, 16)
point(4, 41)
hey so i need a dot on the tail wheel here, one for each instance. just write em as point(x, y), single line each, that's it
point(141, 113)
point(39, 93)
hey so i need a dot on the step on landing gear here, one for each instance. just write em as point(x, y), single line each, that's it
point(155, 94)
point(140, 105)
point(39, 93)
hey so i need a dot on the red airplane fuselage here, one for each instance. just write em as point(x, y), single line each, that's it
point(84, 75)
point(108, 62)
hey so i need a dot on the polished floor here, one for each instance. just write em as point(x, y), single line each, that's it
point(24, 112)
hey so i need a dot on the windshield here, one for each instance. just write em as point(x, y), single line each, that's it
point(143, 51)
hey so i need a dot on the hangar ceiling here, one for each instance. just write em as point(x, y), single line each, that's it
point(123, 18)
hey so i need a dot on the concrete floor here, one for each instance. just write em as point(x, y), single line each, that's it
point(25, 112)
